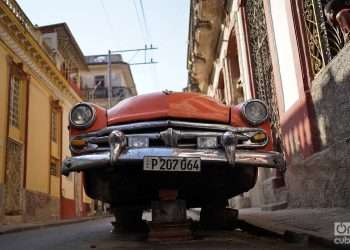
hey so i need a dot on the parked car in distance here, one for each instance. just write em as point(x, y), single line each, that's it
point(207, 151)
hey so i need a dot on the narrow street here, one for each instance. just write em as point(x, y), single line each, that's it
point(97, 234)
point(183, 124)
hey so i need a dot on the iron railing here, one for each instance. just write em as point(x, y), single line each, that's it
point(324, 40)
point(102, 93)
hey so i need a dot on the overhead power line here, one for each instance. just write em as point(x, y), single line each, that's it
point(153, 70)
point(130, 60)
point(148, 34)
point(139, 21)
point(143, 25)
point(144, 50)
point(109, 23)
point(132, 50)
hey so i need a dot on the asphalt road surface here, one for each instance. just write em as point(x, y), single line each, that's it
point(96, 234)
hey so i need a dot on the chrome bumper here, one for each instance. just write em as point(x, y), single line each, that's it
point(241, 157)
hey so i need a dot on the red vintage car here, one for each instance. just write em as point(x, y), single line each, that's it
point(206, 151)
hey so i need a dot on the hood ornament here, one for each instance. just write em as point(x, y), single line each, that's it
point(167, 92)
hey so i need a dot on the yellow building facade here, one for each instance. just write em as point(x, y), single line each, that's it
point(35, 98)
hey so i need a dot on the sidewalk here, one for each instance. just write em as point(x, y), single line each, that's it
point(4, 229)
point(317, 223)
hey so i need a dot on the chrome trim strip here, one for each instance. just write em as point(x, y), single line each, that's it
point(242, 157)
point(93, 141)
point(182, 135)
point(168, 123)
point(171, 136)
point(84, 162)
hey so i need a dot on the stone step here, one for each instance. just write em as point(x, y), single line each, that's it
point(275, 206)
point(12, 219)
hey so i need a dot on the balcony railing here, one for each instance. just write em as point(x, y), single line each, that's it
point(74, 85)
point(324, 39)
point(91, 94)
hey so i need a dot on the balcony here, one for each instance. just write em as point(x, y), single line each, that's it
point(76, 88)
point(119, 93)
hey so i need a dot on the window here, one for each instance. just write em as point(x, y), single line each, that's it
point(15, 94)
point(54, 167)
point(100, 81)
point(54, 123)
point(117, 80)
point(18, 87)
point(56, 137)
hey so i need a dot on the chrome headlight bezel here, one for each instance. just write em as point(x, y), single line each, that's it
point(246, 115)
point(88, 123)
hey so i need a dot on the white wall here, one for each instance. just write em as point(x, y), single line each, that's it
point(243, 65)
point(284, 43)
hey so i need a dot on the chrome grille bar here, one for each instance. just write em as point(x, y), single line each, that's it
point(169, 123)
point(98, 141)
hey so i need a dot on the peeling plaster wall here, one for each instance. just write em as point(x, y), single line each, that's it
point(1, 201)
point(41, 207)
point(322, 180)
point(3, 109)
point(331, 96)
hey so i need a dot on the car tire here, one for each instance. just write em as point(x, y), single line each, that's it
point(218, 217)
point(128, 220)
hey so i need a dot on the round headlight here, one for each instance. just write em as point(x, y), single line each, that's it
point(255, 112)
point(82, 116)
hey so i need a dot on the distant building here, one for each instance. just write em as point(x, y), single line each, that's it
point(65, 51)
point(95, 81)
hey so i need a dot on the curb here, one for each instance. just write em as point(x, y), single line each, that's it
point(24, 227)
point(290, 236)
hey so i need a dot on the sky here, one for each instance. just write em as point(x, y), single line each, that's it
point(102, 25)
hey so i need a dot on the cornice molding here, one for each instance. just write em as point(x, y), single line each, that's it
point(14, 33)
point(58, 91)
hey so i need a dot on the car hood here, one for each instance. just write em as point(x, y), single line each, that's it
point(165, 105)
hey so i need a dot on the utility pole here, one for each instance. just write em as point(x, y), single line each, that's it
point(109, 65)
point(109, 79)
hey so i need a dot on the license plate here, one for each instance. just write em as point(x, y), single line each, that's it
point(172, 164)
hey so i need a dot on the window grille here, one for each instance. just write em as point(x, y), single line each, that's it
point(324, 40)
point(54, 129)
point(262, 64)
point(54, 168)
point(15, 92)
point(100, 81)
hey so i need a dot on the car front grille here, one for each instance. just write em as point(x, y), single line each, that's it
point(170, 133)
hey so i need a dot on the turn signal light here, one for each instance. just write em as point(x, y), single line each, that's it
point(78, 143)
point(259, 137)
